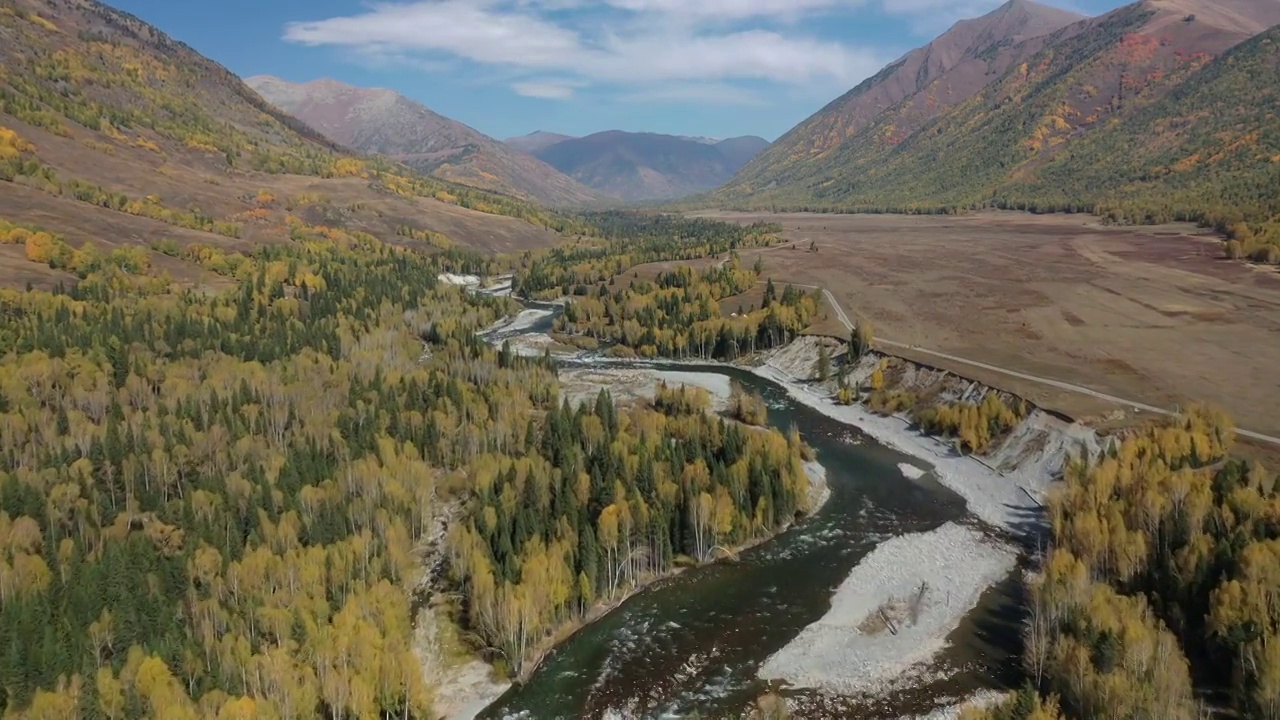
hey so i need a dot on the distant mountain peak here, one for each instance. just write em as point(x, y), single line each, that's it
point(650, 166)
point(535, 141)
point(379, 120)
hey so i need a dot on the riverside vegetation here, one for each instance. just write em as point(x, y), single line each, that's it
point(605, 499)
point(1163, 571)
point(623, 239)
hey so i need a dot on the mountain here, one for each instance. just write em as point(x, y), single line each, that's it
point(649, 166)
point(915, 88)
point(376, 120)
point(1208, 150)
point(536, 141)
point(1043, 97)
point(740, 150)
point(114, 135)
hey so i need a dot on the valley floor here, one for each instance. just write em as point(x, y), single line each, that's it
point(1152, 314)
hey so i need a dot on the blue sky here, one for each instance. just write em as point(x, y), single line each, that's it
point(507, 67)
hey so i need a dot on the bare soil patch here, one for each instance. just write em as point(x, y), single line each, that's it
point(1151, 314)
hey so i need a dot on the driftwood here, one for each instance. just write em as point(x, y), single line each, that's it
point(915, 605)
point(1031, 497)
point(888, 623)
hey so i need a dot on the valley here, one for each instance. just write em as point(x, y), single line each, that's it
point(317, 403)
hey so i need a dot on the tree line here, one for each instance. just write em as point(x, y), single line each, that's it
point(623, 239)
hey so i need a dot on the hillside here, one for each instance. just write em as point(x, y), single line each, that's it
point(384, 122)
point(1209, 150)
point(113, 134)
point(1076, 126)
point(649, 166)
point(918, 86)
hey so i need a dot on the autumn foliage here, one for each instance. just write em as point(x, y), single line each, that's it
point(1165, 563)
point(208, 507)
point(607, 499)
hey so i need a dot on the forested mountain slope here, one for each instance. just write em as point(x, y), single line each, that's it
point(1209, 150)
point(384, 122)
point(1107, 76)
point(912, 89)
point(114, 134)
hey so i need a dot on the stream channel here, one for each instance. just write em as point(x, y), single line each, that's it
point(694, 642)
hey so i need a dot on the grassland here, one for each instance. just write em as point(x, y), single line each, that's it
point(1150, 314)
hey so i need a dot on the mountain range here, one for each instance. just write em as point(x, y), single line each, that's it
point(633, 166)
point(1163, 109)
point(1033, 107)
point(384, 122)
point(550, 168)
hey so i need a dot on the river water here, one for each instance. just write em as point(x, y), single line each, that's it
point(695, 642)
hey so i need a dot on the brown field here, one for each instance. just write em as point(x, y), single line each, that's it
point(1151, 314)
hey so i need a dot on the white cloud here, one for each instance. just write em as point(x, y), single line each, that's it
point(466, 29)
point(631, 44)
point(544, 90)
point(733, 9)
point(752, 54)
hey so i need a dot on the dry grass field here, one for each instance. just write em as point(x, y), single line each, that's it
point(1147, 314)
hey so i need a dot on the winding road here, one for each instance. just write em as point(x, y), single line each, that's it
point(844, 320)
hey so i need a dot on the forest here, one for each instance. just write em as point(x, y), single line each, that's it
point(1163, 578)
point(211, 503)
point(607, 498)
point(678, 314)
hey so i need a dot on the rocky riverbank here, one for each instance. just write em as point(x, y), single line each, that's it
point(890, 618)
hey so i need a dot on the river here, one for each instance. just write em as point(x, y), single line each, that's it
point(695, 642)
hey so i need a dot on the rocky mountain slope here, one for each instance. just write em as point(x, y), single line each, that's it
point(116, 137)
point(381, 121)
point(649, 166)
point(915, 88)
point(1041, 98)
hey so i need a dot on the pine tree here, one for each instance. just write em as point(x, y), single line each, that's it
point(822, 366)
